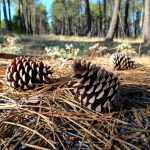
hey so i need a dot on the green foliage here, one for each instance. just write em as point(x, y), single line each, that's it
point(69, 53)
point(12, 50)
point(3, 24)
point(148, 52)
point(38, 40)
point(0, 47)
point(60, 9)
point(15, 25)
point(125, 48)
point(86, 48)
point(1, 38)
point(40, 10)
point(94, 9)
point(17, 49)
point(5, 49)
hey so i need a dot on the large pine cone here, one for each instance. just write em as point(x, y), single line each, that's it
point(121, 61)
point(96, 88)
point(25, 73)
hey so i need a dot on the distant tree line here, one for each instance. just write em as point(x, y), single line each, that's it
point(106, 18)
point(30, 18)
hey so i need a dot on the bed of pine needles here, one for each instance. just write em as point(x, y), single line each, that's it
point(51, 117)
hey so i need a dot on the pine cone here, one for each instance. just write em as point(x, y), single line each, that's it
point(96, 88)
point(121, 61)
point(22, 73)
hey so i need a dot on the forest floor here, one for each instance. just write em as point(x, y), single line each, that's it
point(52, 117)
point(38, 43)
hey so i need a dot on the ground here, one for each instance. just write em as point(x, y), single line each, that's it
point(56, 119)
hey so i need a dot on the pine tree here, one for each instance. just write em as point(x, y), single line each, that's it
point(146, 22)
point(113, 24)
point(5, 15)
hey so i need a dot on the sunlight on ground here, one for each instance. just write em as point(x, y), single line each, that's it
point(85, 39)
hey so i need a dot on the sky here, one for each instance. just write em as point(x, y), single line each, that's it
point(46, 3)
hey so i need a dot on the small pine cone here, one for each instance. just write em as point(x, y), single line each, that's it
point(121, 61)
point(24, 73)
point(96, 88)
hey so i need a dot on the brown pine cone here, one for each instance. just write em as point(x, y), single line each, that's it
point(96, 88)
point(25, 73)
point(121, 61)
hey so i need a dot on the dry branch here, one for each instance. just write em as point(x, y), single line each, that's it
point(12, 56)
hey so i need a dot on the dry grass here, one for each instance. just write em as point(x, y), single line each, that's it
point(85, 39)
point(57, 120)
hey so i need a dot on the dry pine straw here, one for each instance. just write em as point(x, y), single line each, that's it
point(56, 120)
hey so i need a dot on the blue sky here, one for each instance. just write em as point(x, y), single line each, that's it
point(46, 3)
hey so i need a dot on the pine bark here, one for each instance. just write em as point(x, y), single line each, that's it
point(109, 14)
point(30, 22)
point(5, 15)
point(117, 28)
point(41, 25)
point(136, 20)
point(34, 17)
point(87, 18)
point(69, 20)
point(111, 31)
point(0, 15)
point(26, 18)
point(104, 19)
point(100, 20)
point(126, 28)
point(81, 27)
point(23, 19)
point(9, 12)
point(133, 27)
point(20, 21)
point(146, 25)
point(141, 19)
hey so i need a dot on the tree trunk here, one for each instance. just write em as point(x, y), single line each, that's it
point(111, 31)
point(87, 18)
point(141, 19)
point(136, 20)
point(30, 22)
point(69, 21)
point(43, 31)
point(100, 20)
point(109, 14)
point(37, 27)
point(62, 29)
point(9, 13)
point(133, 26)
point(20, 21)
point(117, 28)
point(34, 17)
point(23, 20)
point(26, 18)
point(28, 14)
point(69, 25)
point(66, 27)
point(0, 15)
point(126, 28)
point(5, 15)
point(81, 31)
point(104, 20)
point(146, 22)
point(41, 25)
